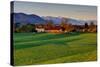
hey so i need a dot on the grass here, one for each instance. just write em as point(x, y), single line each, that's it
point(48, 48)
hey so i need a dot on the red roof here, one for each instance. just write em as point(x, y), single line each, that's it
point(53, 28)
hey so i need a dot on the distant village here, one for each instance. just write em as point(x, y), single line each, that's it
point(50, 27)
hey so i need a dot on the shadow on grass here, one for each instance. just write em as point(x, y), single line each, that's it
point(46, 42)
point(44, 36)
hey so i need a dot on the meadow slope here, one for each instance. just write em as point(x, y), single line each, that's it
point(48, 48)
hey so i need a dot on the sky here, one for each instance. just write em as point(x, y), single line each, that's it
point(81, 12)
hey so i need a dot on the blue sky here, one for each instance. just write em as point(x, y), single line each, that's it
point(57, 10)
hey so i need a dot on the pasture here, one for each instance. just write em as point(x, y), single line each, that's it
point(49, 48)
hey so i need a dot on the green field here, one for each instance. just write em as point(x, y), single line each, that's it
point(48, 48)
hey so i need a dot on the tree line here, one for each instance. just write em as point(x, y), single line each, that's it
point(67, 27)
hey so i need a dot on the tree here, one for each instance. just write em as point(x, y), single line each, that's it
point(50, 24)
point(92, 24)
point(86, 25)
point(25, 28)
point(63, 25)
point(92, 27)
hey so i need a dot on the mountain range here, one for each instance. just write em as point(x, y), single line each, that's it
point(35, 19)
point(25, 18)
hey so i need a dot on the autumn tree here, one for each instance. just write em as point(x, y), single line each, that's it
point(66, 26)
point(50, 23)
point(92, 27)
point(63, 25)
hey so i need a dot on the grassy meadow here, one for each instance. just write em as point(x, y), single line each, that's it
point(49, 48)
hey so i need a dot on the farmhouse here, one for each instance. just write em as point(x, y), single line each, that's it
point(55, 29)
point(40, 29)
point(49, 29)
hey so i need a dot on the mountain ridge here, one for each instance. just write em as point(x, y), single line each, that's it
point(35, 19)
